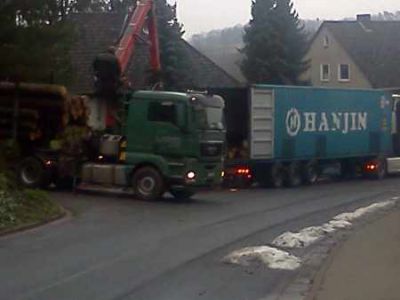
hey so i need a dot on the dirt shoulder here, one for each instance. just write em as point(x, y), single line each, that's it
point(366, 266)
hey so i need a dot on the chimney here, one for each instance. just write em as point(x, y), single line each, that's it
point(364, 18)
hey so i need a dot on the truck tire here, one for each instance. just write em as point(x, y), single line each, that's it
point(182, 194)
point(148, 184)
point(310, 172)
point(276, 176)
point(33, 174)
point(293, 175)
point(382, 169)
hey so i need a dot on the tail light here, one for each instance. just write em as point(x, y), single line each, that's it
point(371, 167)
point(243, 171)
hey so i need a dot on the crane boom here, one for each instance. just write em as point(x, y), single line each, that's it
point(144, 14)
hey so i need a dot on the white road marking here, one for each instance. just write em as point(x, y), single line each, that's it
point(310, 235)
point(272, 257)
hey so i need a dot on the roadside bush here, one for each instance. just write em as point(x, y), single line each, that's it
point(36, 206)
point(8, 203)
point(22, 207)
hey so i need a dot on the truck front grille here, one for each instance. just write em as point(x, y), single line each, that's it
point(211, 149)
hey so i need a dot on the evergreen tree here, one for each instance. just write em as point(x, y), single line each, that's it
point(275, 44)
point(174, 60)
point(35, 37)
point(34, 41)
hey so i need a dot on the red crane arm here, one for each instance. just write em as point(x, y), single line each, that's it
point(142, 15)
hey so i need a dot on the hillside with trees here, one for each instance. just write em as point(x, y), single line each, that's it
point(223, 45)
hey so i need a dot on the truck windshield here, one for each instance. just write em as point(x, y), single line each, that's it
point(214, 118)
point(210, 118)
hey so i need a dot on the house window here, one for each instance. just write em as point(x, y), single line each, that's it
point(326, 41)
point(162, 112)
point(344, 72)
point(325, 72)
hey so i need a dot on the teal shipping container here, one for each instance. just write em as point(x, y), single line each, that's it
point(307, 123)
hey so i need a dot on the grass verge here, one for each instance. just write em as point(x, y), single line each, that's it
point(26, 208)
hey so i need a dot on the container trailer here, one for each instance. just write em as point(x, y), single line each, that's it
point(293, 133)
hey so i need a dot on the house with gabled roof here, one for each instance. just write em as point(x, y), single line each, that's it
point(95, 32)
point(355, 54)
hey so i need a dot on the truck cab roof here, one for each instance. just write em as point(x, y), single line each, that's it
point(208, 100)
point(161, 95)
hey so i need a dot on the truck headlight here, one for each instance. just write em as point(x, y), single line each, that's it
point(191, 175)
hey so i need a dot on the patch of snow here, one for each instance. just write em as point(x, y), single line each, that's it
point(363, 211)
point(272, 257)
point(338, 224)
point(301, 239)
point(310, 235)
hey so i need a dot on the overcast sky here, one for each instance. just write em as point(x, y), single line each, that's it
point(204, 15)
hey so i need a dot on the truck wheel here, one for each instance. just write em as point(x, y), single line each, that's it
point(148, 184)
point(33, 174)
point(182, 194)
point(293, 175)
point(310, 172)
point(277, 177)
point(382, 169)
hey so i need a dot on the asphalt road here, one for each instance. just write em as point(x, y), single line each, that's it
point(119, 248)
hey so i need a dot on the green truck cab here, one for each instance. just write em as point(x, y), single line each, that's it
point(170, 142)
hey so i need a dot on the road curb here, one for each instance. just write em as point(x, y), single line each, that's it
point(62, 216)
point(314, 262)
point(308, 281)
point(320, 275)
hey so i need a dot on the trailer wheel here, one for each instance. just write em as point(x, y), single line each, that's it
point(33, 174)
point(148, 184)
point(293, 175)
point(382, 169)
point(310, 172)
point(182, 193)
point(277, 175)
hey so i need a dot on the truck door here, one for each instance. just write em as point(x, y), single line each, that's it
point(168, 136)
point(262, 127)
